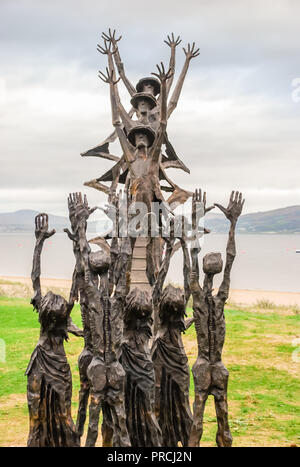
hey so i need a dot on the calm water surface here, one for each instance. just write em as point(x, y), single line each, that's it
point(265, 262)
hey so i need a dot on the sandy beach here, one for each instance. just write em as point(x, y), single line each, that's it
point(21, 286)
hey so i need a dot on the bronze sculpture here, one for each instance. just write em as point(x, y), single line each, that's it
point(105, 373)
point(136, 360)
point(210, 374)
point(150, 115)
point(172, 374)
point(49, 380)
point(143, 393)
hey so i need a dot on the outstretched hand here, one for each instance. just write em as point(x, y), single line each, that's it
point(199, 208)
point(79, 206)
point(162, 75)
point(41, 227)
point(106, 49)
point(172, 42)
point(108, 77)
point(191, 52)
point(235, 206)
point(111, 37)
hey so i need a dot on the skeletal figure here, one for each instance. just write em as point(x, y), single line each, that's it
point(136, 360)
point(105, 373)
point(99, 262)
point(49, 380)
point(210, 374)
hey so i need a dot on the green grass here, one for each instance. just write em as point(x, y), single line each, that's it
point(263, 391)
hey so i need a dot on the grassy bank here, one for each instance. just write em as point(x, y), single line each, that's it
point(263, 388)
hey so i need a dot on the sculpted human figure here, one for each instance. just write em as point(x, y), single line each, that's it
point(99, 262)
point(136, 360)
point(148, 84)
point(142, 149)
point(209, 372)
point(172, 376)
point(49, 380)
point(146, 106)
point(141, 146)
point(105, 373)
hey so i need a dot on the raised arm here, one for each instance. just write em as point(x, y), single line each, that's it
point(163, 77)
point(82, 213)
point(159, 283)
point(172, 43)
point(199, 210)
point(109, 78)
point(111, 36)
point(190, 53)
point(106, 49)
point(41, 233)
point(232, 212)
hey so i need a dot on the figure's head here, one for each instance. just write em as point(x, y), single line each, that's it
point(212, 263)
point(143, 102)
point(172, 307)
point(141, 136)
point(138, 311)
point(150, 85)
point(99, 262)
point(54, 313)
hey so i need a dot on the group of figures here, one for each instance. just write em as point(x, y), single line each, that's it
point(133, 372)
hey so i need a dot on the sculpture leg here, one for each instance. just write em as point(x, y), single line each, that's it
point(223, 438)
point(202, 380)
point(95, 407)
point(82, 407)
point(120, 435)
point(84, 360)
point(116, 400)
point(219, 390)
point(107, 426)
point(198, 411)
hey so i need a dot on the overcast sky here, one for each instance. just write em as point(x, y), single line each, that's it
point(236, 125)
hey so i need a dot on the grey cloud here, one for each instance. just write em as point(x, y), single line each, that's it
point(236, 125)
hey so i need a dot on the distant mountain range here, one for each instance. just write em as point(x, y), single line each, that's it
point(277, 221)
point(23, 221)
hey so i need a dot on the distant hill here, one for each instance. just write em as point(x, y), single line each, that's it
point(283, 220)
point(23, 221)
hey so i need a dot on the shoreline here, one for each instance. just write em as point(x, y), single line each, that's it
point(238, 296)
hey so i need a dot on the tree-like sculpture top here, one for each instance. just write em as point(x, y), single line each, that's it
point(147, 107)
point(142, 146)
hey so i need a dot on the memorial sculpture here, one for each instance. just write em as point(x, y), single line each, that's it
point(99, 262)
point(209, 372)
point(49, 380)
point(136, 360)
point(133, 366)
point(172, 374)
point(105, 373)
